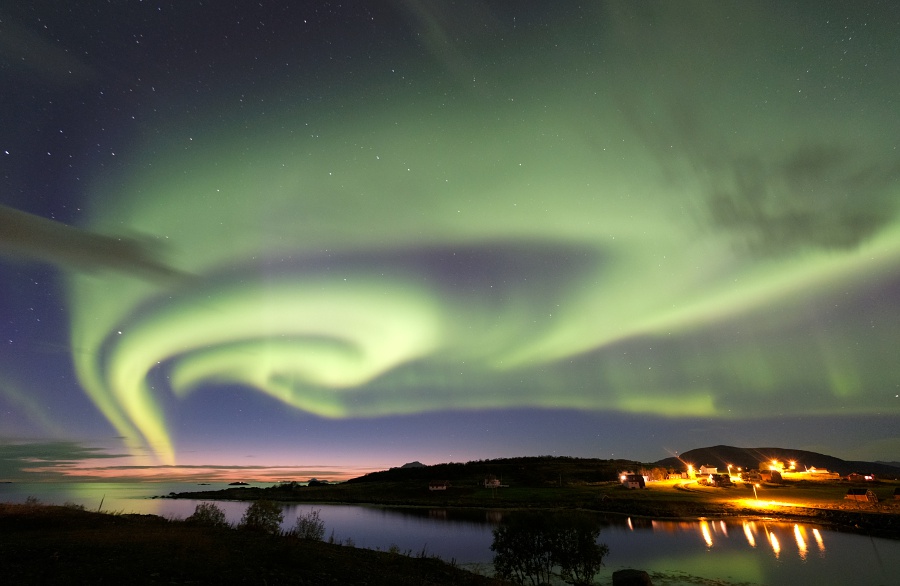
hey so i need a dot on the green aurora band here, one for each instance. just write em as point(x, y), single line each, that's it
point(571, 245)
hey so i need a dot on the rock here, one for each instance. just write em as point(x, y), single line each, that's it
point(631, 578)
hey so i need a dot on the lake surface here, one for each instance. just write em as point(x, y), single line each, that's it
point(691, 552)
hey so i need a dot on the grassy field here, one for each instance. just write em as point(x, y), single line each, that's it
point(600, 495)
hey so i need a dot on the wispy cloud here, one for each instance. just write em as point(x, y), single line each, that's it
point(73, 461)
point(219, 473)
point(29, 237)
point(46, 460)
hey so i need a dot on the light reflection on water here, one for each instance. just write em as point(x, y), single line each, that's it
point(739, 551)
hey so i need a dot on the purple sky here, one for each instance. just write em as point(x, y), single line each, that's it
point(318, 240)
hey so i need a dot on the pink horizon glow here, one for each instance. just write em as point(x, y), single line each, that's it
point(198, 473)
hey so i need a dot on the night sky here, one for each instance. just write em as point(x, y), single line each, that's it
point(277, 240)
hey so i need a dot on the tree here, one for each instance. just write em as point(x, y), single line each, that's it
point(265, 516)
point(523, 549)
point(658, 473)
point(309, 526)
point(208, 515)
point(529, 546)
point(577, 552)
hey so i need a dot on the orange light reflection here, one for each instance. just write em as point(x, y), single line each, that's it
point(748, 533)
point(707, 536)
point(801, 541)
point(818, 538)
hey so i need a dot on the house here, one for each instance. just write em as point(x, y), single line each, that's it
point(439, 485)
point(720, 480)
point(822, 474)
point(633, 481)
point(861, 494)
point(492, 482)
point(707, 470)
point(751, 476)
point(773, 476)
point(857, 477)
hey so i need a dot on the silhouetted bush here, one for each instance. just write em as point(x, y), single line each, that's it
point(309, 526)
point(264, 516)
point(208, 515)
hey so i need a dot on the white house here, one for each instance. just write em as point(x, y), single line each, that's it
point(492, 482)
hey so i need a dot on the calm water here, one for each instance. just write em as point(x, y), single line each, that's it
point(750, 552)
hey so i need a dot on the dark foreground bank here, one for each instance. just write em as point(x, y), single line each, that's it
point(60, 545)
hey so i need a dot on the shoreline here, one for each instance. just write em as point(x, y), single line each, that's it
point(872, 522)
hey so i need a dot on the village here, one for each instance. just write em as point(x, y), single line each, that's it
point(768, 476)
point(769, 473)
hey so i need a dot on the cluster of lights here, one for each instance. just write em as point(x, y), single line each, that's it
point(750, 529)
point(774, 466)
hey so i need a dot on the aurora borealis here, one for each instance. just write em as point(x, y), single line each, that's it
point(370, 233)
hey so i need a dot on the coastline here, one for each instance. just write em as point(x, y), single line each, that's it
point(877, 521)
point(76, 537)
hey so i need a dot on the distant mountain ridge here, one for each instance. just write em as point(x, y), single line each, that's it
point(721, 456)
point(521, 471)
point(539, 471)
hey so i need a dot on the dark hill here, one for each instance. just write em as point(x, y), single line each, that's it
point(750, 458)
point(525, 471)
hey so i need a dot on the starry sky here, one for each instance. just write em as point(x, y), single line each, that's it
point(293, 239)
